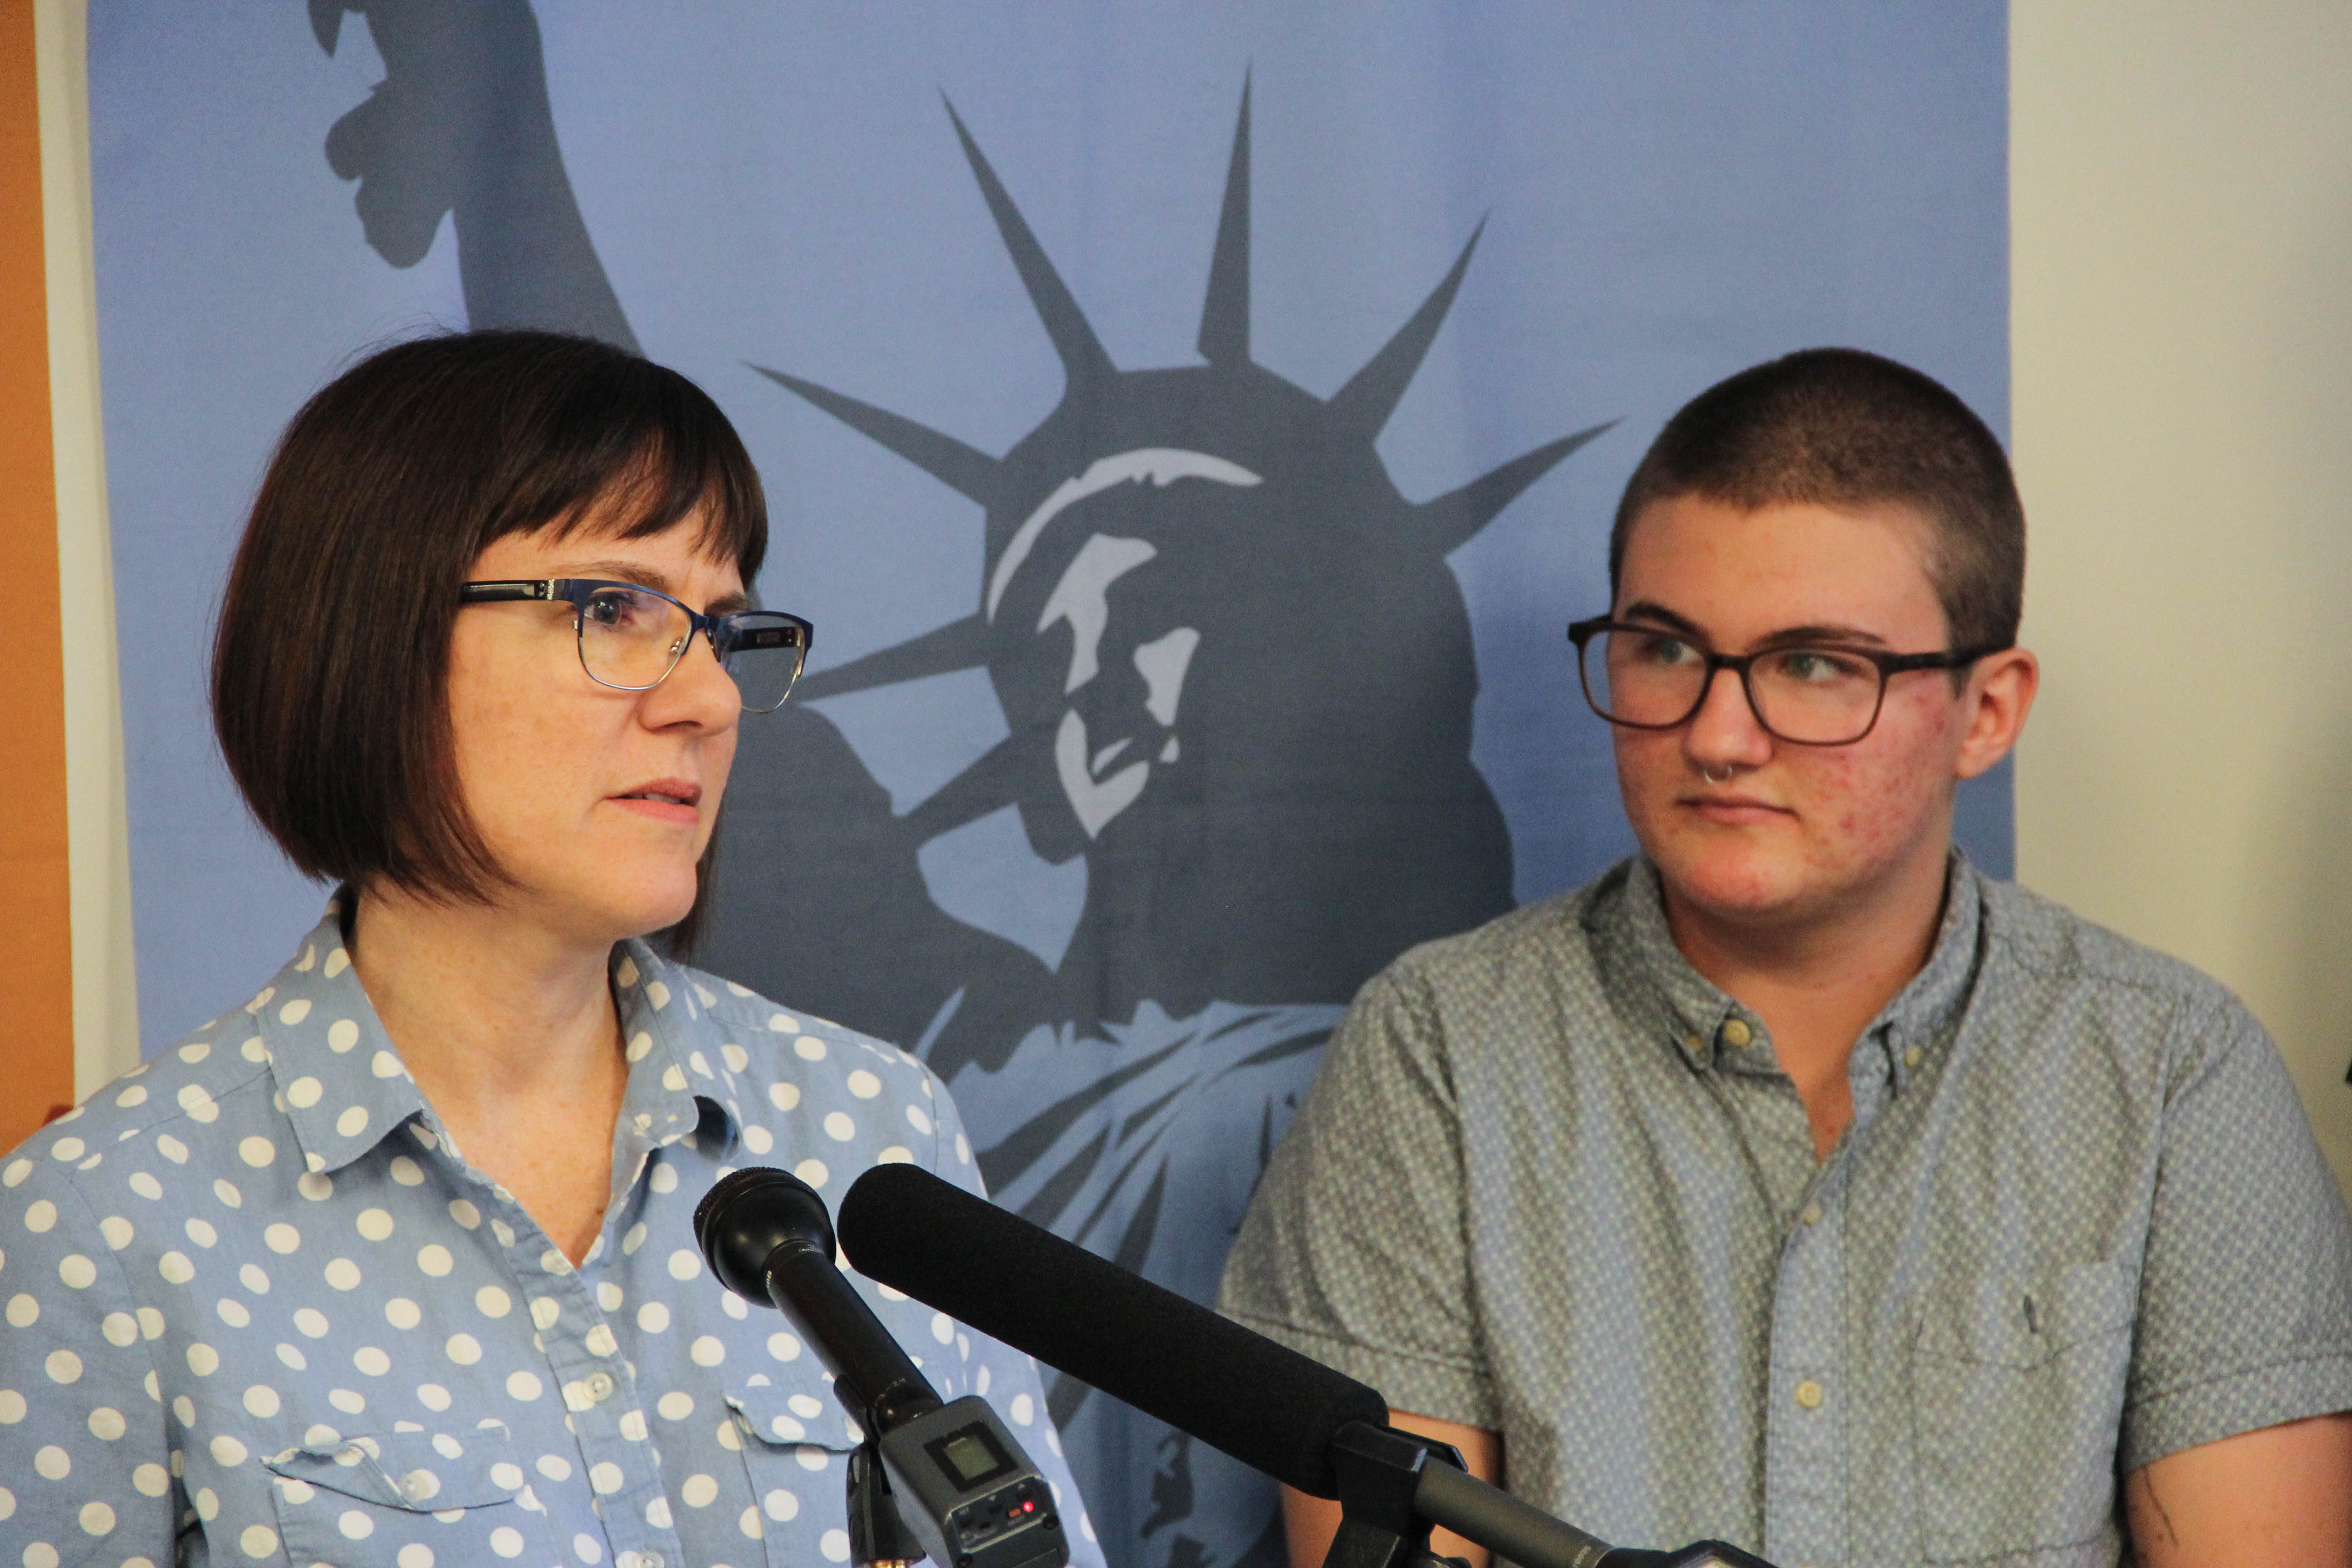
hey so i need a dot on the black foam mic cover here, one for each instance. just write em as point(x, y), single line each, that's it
point(1264, 1403)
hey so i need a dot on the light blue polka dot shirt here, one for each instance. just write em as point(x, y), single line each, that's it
point(258, 1309)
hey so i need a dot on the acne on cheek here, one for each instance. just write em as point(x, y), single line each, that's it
point(1878, 806)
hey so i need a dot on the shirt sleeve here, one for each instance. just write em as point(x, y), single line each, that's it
point(1007, 1379)
point(2245, 1312)
point(1354, 1250)
point(86, 1472)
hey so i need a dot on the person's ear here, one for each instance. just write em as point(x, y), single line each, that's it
point(1999, 695)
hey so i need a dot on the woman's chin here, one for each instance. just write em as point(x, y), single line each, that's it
point(618, 908)
point(660, 914)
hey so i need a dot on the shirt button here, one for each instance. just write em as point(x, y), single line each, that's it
point(1737, 1033)
point(1813, 1214)
point(600, 1389)
point(1694, 1044)
point(1808, 1394)
point(1911, 1057)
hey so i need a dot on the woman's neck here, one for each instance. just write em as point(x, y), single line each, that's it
point(510, 1030)
point(484, 1005)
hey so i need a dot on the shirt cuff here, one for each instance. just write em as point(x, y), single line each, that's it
point(2317, 1384)
point(1445, 1391)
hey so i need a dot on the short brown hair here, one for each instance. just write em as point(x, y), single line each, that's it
point(1841, 427)
point(331, 664)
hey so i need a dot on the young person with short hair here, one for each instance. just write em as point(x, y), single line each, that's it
point(1795, 1183)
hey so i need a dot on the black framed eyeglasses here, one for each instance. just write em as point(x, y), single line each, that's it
point(1652, 677)
point(631, 636)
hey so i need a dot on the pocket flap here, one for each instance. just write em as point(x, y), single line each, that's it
point(799, 1413)
point(2009, 1322)
point(422, 1472)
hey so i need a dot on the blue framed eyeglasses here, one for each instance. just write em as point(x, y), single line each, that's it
point(631, 636)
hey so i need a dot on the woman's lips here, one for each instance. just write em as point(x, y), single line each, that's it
point(665, 800)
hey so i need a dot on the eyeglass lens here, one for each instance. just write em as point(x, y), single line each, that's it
point(1814, 695)
point(633, 640)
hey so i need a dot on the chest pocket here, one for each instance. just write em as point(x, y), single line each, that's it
point(373, 1498)
point(2016, 1394)
point(796, 1443)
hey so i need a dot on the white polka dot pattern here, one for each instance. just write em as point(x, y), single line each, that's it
point(1551, 1182)
point(250, 1285)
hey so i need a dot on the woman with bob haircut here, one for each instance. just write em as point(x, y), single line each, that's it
point(394, 1264)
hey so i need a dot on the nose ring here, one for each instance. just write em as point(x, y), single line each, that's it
point(1730, 771)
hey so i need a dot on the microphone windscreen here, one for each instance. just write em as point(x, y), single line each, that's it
point(1264, 1403)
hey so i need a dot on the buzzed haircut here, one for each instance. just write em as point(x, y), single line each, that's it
point(330, 663)
point(1846, 428)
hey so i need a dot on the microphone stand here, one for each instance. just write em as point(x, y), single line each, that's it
point(878, 1536)
point(1394, 1486)
point(1379, 1470)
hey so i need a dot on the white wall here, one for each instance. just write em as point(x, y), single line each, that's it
point(2181, 195)
point(105, 980)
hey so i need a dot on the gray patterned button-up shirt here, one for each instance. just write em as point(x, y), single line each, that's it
point(259, 1310)
point(1552, 1183)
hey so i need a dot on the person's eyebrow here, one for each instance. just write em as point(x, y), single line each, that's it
point(1650, 610)
point(626, 572)
point(659, 581)
point(1833, 632)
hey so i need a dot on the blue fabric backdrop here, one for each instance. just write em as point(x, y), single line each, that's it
point(1189, 428)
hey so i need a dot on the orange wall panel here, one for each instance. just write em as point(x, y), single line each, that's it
point(36, 931)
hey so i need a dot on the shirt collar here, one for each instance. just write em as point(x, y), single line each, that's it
point(1706, 1026)
point(342, 1084)
point(338, 1078)
point(1923, 1010)
point(681, 1067)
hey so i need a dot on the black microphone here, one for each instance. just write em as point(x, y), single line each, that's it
point(1262, 1402)
point(952, 1476)
point(768, 1239)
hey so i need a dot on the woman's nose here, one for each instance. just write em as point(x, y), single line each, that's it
point(697, 689)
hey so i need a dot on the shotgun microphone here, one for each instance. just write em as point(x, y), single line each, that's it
point(1315, 1430)
point(1262, 1402)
